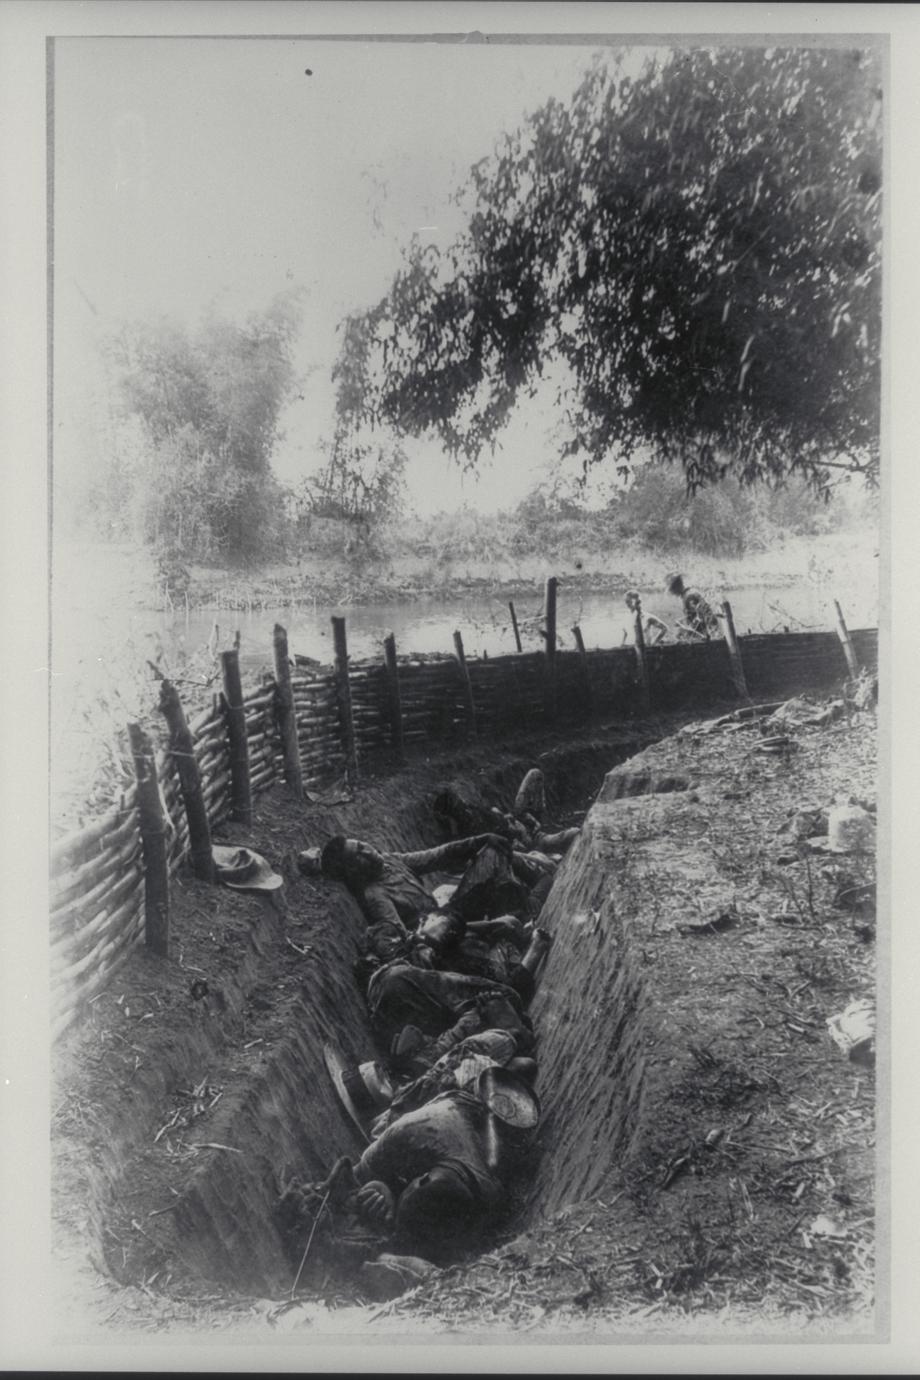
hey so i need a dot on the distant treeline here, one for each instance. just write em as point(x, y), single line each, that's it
point(187, 473)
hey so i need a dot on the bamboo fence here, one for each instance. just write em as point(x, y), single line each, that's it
point(98, 872)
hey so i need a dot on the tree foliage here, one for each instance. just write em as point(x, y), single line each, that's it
point(699, 245)
point(359, 482)
point(209, 404)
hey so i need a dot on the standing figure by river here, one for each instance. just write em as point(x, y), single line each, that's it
point(654, 629)
point(699, 616)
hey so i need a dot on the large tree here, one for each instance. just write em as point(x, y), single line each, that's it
point(209, 403)
point(698, 247)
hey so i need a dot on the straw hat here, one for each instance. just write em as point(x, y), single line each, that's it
point(363, 1089)
point(244, 870)
point(508, 1098)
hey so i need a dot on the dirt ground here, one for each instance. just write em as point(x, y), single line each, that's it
point(707, 1156)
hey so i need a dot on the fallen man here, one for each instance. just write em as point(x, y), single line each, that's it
point(389, 890)
point(436, 1178)
point(418, 1014)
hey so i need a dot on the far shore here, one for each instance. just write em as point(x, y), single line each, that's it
point(845, 559)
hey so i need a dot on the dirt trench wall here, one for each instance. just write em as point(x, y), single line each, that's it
point(589, 1010)
point(595, 1008)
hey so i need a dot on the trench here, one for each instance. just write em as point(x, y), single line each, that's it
point(282, 1116)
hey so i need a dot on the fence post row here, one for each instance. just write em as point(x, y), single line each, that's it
point(734, 652)
point(235, 718)
point(343, 693)
point(182, 751)
point(152, 821)
point(645, 699)
point(849, 650)
point(284, 712)
point(391, 666)
point(549, 682)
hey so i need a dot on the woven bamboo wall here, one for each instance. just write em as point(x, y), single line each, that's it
point(97, 877)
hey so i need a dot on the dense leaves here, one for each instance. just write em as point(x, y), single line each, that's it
point(700, 246)
point(208, 404)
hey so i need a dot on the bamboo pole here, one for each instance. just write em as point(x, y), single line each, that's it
point(182, 751)
point(585, 667)
point(645, 699)
point(467, 685)
point(549, 673)
point(343, 692)
point(284, 710)
point(392, 672)
point(734, 652)
point(153, 839)
point(848, 648)
point(235, 713)
point(514, 625)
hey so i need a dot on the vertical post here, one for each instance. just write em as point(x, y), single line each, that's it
point(549, 684)
point(235, 716)
point(153, 842)
point(514, 625)
point(467, 684)
point(585, 668)
point(343, 691)
point(284, 710)
point(848, 649)
point(182, 750)
point(645, 699)
point(734, 652)
point(392, 673)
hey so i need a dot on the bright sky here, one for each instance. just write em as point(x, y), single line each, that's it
point(188, 170)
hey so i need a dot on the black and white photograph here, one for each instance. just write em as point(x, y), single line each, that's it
point(469, 493)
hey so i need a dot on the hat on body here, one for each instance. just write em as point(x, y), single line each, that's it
point(244, 870)
point(364, 1090)
point(508, 1098)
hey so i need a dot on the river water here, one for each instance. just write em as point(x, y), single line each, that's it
point(428, 625)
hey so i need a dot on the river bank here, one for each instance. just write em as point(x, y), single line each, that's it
point(374, 577)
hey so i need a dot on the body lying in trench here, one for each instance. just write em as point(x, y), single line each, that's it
point(450, 1111)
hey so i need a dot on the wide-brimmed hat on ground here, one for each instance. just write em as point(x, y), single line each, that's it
point(508, 1098)
point(244, 870)
point(364, 1090)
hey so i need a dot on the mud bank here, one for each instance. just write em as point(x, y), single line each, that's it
point(698, 1120)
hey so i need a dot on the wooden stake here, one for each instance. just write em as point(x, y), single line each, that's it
point(585, 667)
point(645, 699)
point(284, 712)
point(549, 683)
point(514, 625)
point(182, 750)
point(343, 693)
point(734, 652)
point(467, 684)
point(392, 672)
point(848, 649)
point(235, 716)
point(153, 841)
